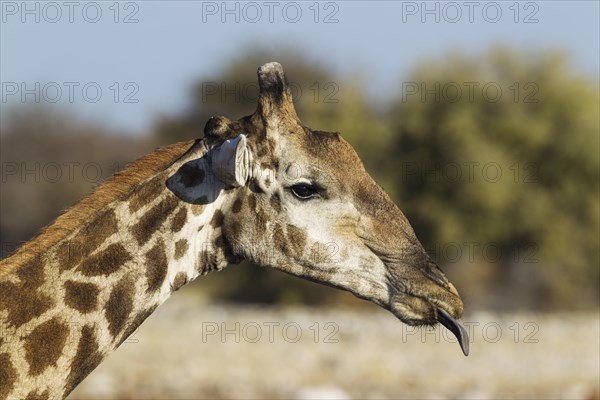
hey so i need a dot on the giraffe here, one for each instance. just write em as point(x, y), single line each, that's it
point(263, 188)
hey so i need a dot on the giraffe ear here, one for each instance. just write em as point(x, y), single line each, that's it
point(231, 162)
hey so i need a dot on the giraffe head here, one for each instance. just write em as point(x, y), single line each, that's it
point(301, 201)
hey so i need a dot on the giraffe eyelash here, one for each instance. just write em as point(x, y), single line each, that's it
point(306, 190)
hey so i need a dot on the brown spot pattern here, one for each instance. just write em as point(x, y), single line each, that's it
point(119, 306)
point(156, 266)
point(237, 205)
point(69, 255)
point(179, 281)
point(220, 242)
point(146, 193)
point(105, 262)
point(136, 322)
point(190, 174)
point(252, 202)
point(179, 220)
point(266, 165)
point(275, 202)
point(153, 219)
point(44, 345)
point(234, 230)
point(207, 261)
point(86, 359)
point(261, 151)
point(22, 301)
point(181, 247)
point(217, 219)
point(261, 220)
point(8, 375)
point(296, 239)
point(81, 296)
point(88, 239)
point(33, 395)
point(198, 209)
point(279, 238)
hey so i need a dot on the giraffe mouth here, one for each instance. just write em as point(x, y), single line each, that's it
point(453, 326)
point(415, 310)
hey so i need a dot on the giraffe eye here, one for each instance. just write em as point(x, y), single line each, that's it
point(304, 191)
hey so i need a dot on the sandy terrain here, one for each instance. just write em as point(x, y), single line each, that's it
point(188, 349)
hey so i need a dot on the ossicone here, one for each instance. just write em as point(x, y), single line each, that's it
point(275, 101)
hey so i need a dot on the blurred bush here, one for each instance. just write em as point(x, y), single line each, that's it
point(50, 159)
point(493, 158)
point(508, 170)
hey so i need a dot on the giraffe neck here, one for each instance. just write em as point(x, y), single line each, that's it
point(64, 309)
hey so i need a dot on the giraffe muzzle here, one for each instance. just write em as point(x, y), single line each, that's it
point(453, 326)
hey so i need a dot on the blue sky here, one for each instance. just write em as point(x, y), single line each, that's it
point(93, 56)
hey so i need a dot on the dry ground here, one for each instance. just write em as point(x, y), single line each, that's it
point(189, 349)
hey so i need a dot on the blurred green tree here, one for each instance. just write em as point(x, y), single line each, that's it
point(496, 158)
